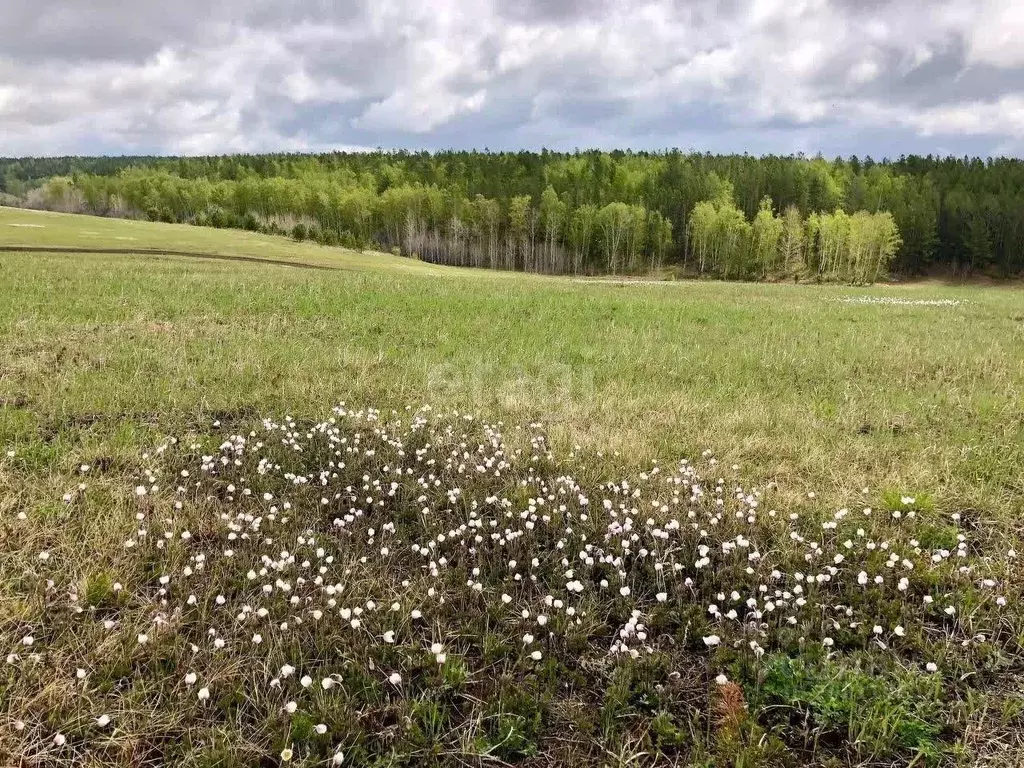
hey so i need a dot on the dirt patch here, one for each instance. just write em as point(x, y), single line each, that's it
point(164, 252)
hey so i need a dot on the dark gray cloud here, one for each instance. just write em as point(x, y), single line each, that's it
point(543, 11)
point(875, 77)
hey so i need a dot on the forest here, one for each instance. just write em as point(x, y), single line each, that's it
point(728, 216)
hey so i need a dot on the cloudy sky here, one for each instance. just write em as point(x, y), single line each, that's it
point(878, 77)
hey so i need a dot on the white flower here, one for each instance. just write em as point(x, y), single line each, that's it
point(290, 707)
point(712, 640)
point(436, 648)
point(204, 694)
point(27, 640)
point(527, 638)
point(394, 678)
point(389, 636)
point(661, 597)
point(931, 667)
point(143, 638)
point(190, 678)
point(327, 683)
point(624, 591)
point(542, 620)
point(536, 655)
point(286, 754)
point(338, 758)
point(721, 679)
point(287, 670)
point(415, 613)
point(59, 739)
point(103, 721)
point(305, 681)
point(321, 729)
point(900, 631)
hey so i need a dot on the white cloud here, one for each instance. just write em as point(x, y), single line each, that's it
point(997, 36)
point(1004, 117)
point(779, 75)
point(419, 110)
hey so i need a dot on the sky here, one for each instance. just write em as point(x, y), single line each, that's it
point(836, 77)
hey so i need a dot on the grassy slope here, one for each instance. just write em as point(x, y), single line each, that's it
point(102, 354)
point(43, 228)
point(787, 380)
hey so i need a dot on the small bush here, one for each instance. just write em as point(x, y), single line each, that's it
point(666, 734)
point(881, 713)
point(514, 726)
point(98, 589)
point(250, 223)
point(899, 501)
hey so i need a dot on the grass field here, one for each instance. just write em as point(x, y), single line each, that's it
point(822, 397)
point(42, 228)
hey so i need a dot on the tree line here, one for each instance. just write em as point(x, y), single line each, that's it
point(733, 216)
point(835, 246)
point(422, 220)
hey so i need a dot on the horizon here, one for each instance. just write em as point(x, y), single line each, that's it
point(666, 151)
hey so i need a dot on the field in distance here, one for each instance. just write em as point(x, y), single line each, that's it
point(40, 229)
point(903, 399)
